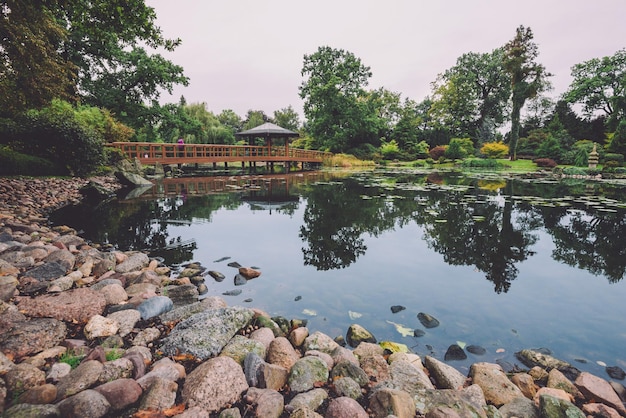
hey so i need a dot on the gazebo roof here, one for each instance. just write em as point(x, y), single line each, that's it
point(268, 130)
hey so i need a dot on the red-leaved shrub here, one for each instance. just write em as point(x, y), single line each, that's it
point(545, 162)
point(437, 152)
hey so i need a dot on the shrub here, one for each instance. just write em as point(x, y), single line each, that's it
point(614, 157)
point(545, 162)
point(62, 140)
point(421, 149)
point(550, 149)
point(575, 171)
point(455, 150)
point(390, 150)
point(481, 163)
point(495, 150)
point(13, 163)
point(437, 152)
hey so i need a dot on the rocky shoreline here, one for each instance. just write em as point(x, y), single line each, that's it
point(89, 332)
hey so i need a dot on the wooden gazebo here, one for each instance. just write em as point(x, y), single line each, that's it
point(268, 131)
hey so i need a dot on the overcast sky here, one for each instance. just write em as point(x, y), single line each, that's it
point(248, 54)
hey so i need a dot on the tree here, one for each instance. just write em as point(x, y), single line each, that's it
point(333, 92)
point(528, 78)
point(600, 86)
point(472, 96)
point(287, 118)
point(32, 73)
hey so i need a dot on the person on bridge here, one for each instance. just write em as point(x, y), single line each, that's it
point(181, 147)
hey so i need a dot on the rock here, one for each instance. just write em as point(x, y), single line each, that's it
point(326, 358)
point(219, 277)
point(273, 376)
point(204, 334)
point(39, 395)
point(615, 372)
point(249, 273)
point(427, 320)
point(214, 384)
point(306, 373)
point(557, 380)
point(146, 336)
point(282, 353)
point(391, 401)
point(555, 393)
point(253, 368)
point(46, 272)
point(455, 352)
point(154, 306)
point(121, 368)
point(131, 179)
point(551, 407)
point(114, 294)
point(23, 377)
point(407, 377)
point(126, 320)
point(397, 308)
point(239, 347)
point(348, 369)
point(357, 334)
point(346, 386)
point(519, 407)
point(135, 261)
point(298, 335)
point(30, 337)
point(30, 410)
point(526, 384)
point(533, 358)
point(182, 295)
point(63, 257)
point(496, 386)
point(159, 395)
point(269, 403)
point(57, 371)
point(600, 410)
point(77, 305)
point(87, 403)
point(162, 369)
point(445, 376)
point(476, 349)
point(321, 342)
point(341, 353)
point(345, 408)
point(312, 399)
point(82, 377)
point(375, 367)
point(456, 403)
point(593, 387)
point(99, 326)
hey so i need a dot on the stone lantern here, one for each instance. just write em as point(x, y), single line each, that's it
point(593, 157)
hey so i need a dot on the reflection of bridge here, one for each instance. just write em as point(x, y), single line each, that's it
point(277, 184)
point(152, 153)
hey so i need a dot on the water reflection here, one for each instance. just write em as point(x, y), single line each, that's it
point(491, 224)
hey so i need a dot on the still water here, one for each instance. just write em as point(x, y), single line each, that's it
point(503, 263)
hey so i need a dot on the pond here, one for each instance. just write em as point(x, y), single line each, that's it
point(502, 262)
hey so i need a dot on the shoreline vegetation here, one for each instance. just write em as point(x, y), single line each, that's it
point(70, 347)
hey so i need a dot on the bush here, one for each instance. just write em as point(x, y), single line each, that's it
point(13, 163)
point(545, 162)
point(495, 150)
point(421, 149)
point(550, 149)
point(390, 150)
point(455, 150)
point(437, 152)
point(62, 140)
point(575, 171)
point(614, 157)
point(481, 163)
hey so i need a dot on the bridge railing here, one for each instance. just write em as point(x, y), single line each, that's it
point(151, 151)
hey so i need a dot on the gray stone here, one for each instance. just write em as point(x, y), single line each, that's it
point(155, 306)
point(31, 337)
point(345, 408)
point(269, 403)
point(519, 407)
point(446, 377)
point(126, 319)
point(459, 402)
point(134, 262)
point(214, 384)
point(496, 386)
point(46, 272)
point(239, 347)
point(346, 368)
point(204, 334)
point(120, 393)
point(87, 403)
point(30, 411)
point(391, 401)
point(252, 368)
point(306, 373)
point(532, 358)
point(356, 334)
point(346, 386)
point(81, 378)
point(312, 399)
point(551, 407)
point(160, 395)
point(321, 342)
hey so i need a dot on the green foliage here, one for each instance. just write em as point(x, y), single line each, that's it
point(32, 72)
point(421, 149)
point(528, 78)
point(57, 135)
point(600, 85)
point(455, 150)
point(575, 171)
point(390, 150)
point(494, 150)
point(619, 158)
point(617, 141)
point(71, 358)
point(481, 163)
point(550, 148)
point(287, 118)
point(13, 163)
point(113, 354)
point(338, 116)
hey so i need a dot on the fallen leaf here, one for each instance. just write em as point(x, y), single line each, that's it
point(354, 315)
point(404, 331)
point(500, 350)
point(309, 312)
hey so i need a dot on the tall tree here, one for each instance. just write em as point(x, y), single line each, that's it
point(32, 73)
point(287, 118)
point(528, 78)
point(600, 86)
point(472, 96)
point(333, 91)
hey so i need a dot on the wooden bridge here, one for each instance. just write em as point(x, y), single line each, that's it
point(150, 153)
